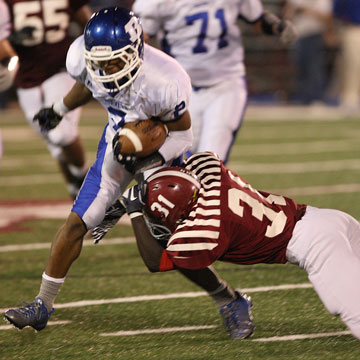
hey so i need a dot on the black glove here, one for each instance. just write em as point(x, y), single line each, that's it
point(287, 32)
point(127, 160)
point(24, 34)
point(134, 198)
point(48, 119)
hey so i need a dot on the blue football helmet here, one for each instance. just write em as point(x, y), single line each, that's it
point(114, 34)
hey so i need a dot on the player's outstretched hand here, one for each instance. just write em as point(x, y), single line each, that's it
point(287, 32)
point(134, 198)
point(48, 119)
point(127, 160)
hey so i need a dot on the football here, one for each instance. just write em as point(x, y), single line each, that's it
point(142, 137)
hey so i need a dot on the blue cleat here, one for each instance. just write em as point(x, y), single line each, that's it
point(237, 317)
point(33, 314)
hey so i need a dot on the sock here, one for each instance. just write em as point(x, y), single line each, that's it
point(223, 295)
point(49, 288)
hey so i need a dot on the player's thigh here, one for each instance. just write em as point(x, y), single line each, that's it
point(30, 101)
point(56, 87)
point(105, 182)
point(223, 117)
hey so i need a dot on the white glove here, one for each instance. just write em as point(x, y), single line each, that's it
point(8, 72)
point(287, 32)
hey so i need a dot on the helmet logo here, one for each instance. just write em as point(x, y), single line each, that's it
point(157, 206)
point(101, 50)
point(133, 28)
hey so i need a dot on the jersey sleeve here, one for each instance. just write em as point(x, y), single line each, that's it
point(193, 249)
point(5, 21)
point(149, 12)
point(75, 62)
point(251, 10)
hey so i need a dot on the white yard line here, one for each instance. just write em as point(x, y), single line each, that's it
point(142, 298)
point(258, 168)
point(158, 331)
point(302, 336)
point(11, 162)
point(291, 148)
point(39, 246)
point(295, 168)
point(205, 327)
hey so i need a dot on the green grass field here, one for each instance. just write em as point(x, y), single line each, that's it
point(313, 161)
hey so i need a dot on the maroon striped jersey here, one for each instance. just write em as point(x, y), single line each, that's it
point(231, 220)
point(44, 53)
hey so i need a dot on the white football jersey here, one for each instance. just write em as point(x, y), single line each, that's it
point(202, 35)
point(162, 89)
point(5, 21)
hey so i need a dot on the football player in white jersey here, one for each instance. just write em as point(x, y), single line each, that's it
point(39, 33)
point(111, 63)
point(205, 38)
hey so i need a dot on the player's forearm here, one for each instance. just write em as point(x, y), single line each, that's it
point(77, 96)
point(150, 250)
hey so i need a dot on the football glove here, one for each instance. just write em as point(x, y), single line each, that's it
point(23, 35)
point(287, 32)
point(127, 160)
point(134, 198)
point(48, 119)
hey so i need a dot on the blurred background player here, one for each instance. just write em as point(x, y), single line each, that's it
point(347, 12)
point(313, 22)
point(38, 33)
point(205, 38)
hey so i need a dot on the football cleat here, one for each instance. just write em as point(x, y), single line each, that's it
point(237, 317)
point(33, 314)
point(112, 216)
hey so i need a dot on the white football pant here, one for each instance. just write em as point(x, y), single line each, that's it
point(326, 243)
point(216, 116)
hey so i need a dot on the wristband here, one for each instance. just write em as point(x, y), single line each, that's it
point(135, 214)
point(60, 108)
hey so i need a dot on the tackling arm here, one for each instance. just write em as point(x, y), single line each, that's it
point(153, 255)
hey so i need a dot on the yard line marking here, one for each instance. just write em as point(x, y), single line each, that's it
point(205, 327)
point(294, 168)
point(245, 168)
point(158, 331)
point(317, 190)
point(302, 336)
point(60, 322)
point(39, 246)
point(14, 161)
point(296, 147)
point(258, 168)
point(192, 294)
